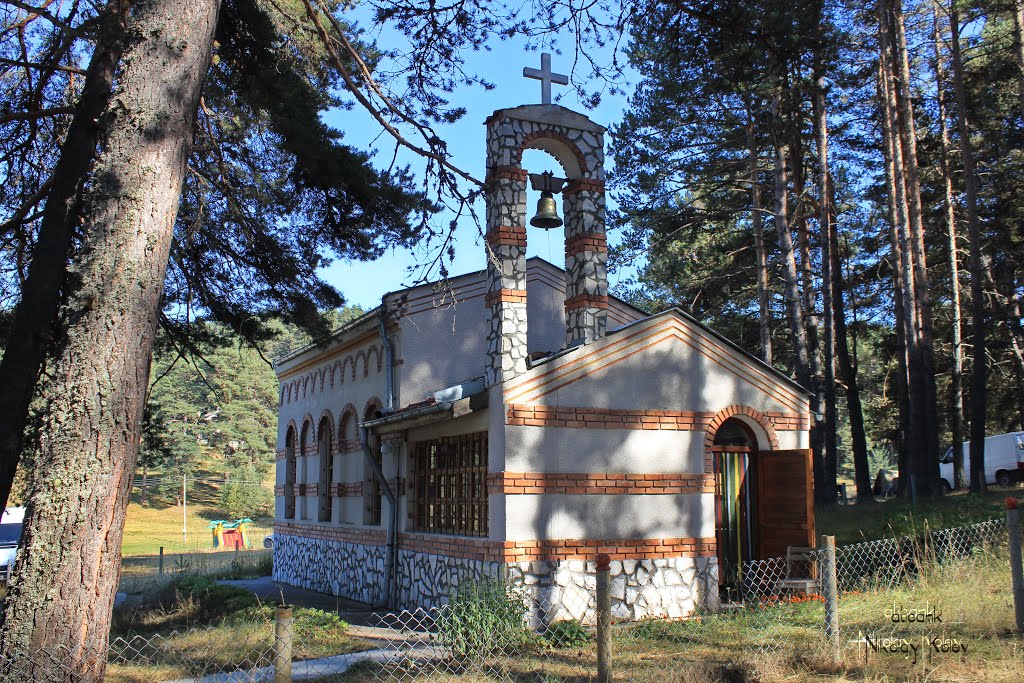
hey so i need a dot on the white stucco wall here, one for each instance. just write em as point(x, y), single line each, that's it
point(441, 335)
point(618, 516)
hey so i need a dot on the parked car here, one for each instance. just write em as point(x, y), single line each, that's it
point(268, 541)
point(10, 534)
point(1004, 460)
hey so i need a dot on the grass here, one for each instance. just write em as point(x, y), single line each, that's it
point(194, 626)
point(972, 594)
point(159, 523)
point(897, 517)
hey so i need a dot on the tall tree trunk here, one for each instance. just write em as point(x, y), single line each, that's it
point(977, 265)
point(828, 459)
point(1018, 26)
point(801, 366)
point(902, 274)
point(757, 224)
point(31, 332)
point(956, 399)
point(62, 592)
point(923, 381)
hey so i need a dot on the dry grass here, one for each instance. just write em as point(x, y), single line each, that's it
point(972, 594)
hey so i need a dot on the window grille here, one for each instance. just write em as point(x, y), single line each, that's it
point(450, 480)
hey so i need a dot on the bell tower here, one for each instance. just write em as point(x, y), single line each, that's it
point(577, 143)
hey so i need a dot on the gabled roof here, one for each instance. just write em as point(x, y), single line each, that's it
point(618, 345)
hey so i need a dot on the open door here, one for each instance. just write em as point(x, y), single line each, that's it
point(785, 502)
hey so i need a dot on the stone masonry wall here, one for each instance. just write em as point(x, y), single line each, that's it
point(640, 589)
point(428, 580)
point(351, 570)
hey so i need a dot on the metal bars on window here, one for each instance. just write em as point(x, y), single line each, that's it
point(451, 485)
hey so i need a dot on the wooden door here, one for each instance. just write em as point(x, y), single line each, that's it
point(785, 501)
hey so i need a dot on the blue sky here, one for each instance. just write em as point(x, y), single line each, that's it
point(364, 283)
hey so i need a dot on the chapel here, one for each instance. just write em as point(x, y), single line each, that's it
point(519, 420)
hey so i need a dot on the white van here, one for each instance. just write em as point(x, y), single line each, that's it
point(1004, 460)
point(10, 534)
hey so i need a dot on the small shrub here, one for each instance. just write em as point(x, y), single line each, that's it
point(484, 618)
point(567, 634)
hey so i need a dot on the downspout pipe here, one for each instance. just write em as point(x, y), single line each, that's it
point(391, 552)
point(389, 357)
point(390, 556)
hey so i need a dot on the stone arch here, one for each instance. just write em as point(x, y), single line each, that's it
point(375, 352)
point(349, 359)
point(335, 369)
point(556, 143)
point(280, 400)
point(323, 378)
point(361, 355)
point(759, 423)
point(305, 385)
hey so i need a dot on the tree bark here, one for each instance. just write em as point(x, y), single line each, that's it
point(62, 592)
point(977, 265)
point(1018, 29)
point(30, 336)
point(923, 381)
point(902, 274)
point(819, 426)
point(794, 311)
point(956, 399)
point(829, 292)
point(757, 224)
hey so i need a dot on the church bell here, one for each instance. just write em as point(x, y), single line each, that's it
point(547, 213)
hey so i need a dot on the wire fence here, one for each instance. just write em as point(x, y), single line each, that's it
point(817, 609)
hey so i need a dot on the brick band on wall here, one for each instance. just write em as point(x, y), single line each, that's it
point(507, 173)
point(332, 533)
point(347, 489)
point(516, 483)
point(589, 241)
point(452, 546)
point(513, 235)
point(617, 549)
point(584, 185)
point(586, 301)
point(608, 418)
point(507, 296)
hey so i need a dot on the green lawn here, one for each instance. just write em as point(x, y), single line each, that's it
point(159, 523)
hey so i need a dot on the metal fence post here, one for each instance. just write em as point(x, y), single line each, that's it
point(604, 620)
point(1016, 571)
point(831, 594)
point(160, 567)
point(283, 645)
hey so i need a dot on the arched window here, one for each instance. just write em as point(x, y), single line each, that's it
point(326, 458)
point(305, 448)
point(289, 474)
point(372, 494)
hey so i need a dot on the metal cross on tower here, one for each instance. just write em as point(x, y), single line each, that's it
point(546, 77)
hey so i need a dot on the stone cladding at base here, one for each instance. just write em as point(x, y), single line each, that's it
point(351, 570)
point(428, 580)
point(640, 589)
point(557, 590)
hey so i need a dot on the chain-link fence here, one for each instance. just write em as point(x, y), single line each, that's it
point(942, 598)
